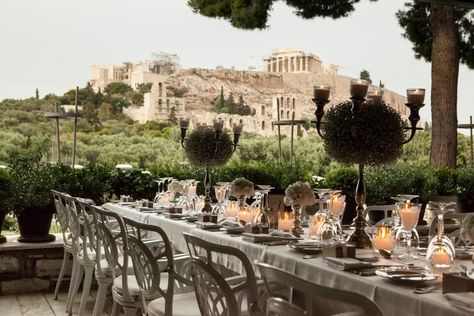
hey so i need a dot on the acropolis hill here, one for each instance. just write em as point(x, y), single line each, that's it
point(286, 83)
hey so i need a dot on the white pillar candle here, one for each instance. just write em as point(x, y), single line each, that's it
point(409, 216)
point(337, 205)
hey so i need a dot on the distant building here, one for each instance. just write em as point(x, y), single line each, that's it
point(293, 60)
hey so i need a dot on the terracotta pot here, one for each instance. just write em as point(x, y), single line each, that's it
point(34, 226)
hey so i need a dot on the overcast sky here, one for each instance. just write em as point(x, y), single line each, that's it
point(51, 44)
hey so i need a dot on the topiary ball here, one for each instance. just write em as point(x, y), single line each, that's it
point(200, 148)
point(373, 136)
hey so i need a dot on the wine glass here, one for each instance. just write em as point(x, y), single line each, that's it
point(336, 208)
point(409, 217)
point(440, 252)
point(220, 192)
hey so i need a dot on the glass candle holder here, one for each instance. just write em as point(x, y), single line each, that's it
point(285, 223)
point(321, 92)
point(315, 222)
point(384, 238)
point(415, 96)
point(359, 88)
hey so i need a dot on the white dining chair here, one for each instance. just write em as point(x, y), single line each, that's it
point(216, 294)
point(63, 220)
point(372, 209)
point(155, 277)
point(347, 302)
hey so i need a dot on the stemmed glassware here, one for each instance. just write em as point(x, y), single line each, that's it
point(330, 231)
point(440, 252)
point(336, 208)
point(162, 195)
point(409, 215)
point(221, 193)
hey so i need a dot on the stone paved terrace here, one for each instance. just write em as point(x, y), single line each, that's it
point(42, 304)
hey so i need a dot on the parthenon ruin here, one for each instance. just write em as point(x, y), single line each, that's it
point(293, 60)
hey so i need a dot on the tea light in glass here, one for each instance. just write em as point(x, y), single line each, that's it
point(316, 221)
point(245, 215)
point(232, 209)
point(384, 238)
point(199, 204)
point(286, 222)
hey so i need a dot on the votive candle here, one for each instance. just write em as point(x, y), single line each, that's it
point(237, 128)
point(232, 209)
point(315, 223)
point(285, 223)
point(359, 88)
point(184, 123)
point(337, 205)
point(245, 215)
point(440, 258)
point(409, 216)
point(321, 92)
point(384, 238)
point(415, 96)
point(218, 124)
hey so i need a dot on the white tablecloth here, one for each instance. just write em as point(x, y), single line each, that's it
point(393, 299)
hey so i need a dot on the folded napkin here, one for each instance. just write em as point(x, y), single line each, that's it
point(279, 233)
point(463, 301)
point(228, 223)
point(345, 264)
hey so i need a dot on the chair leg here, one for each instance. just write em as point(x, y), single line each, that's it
point(61, 274)
point(101, 297)
point(77, 283)
point(75, 266)
point(89, 271)
point(114, 309)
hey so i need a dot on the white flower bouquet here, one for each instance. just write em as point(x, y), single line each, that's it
point(241, 187)
point(299, 193)
point(467, 229)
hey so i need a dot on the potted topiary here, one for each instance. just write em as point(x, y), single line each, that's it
point(370, 133)
point(5, 198)
point(31, 199)
point(208, 148)
point(466, 189)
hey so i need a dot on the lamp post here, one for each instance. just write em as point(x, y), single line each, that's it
point(359, 87)
point(217, 126)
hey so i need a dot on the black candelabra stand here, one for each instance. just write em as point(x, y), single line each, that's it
point(218, 126)
point(359, 237)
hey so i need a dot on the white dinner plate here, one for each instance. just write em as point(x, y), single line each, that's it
point(406, 275)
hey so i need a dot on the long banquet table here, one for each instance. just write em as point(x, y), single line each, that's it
point(393, 299)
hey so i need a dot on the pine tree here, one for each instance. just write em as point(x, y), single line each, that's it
point(37, 96)
point(364, 74)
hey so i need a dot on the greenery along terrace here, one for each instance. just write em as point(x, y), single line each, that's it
point(106, 138)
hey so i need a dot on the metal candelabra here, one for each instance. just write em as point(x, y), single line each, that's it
point(218, 126)
point(359, 87)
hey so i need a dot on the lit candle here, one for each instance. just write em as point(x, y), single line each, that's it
point(237, 128)
point(384, 238)
point(199, 204)
point(218, 124)
point(232, 209)
point(337, 205)
point(415, 96)
point(191, 190)
point(321, 92)
point(184, 123)
point(315, 223)
point(409, 216)
point(245, 215)
point(440, 258)
point(359, 88)
point(285, 223)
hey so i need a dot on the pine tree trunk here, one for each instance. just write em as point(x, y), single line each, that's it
point(444, 85)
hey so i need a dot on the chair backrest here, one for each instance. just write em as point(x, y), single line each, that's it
point(62, 215)
point(109, 242)
point(378, 209)
point(148, 265)
point(277, 306)
point(218, 295)
point(312, 291)
point(73, 213)
point(86, 217)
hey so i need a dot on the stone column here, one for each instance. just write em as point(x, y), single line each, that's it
point(294, 64)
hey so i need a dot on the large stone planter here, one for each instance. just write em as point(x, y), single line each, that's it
point(34, 226)
point(3, 239)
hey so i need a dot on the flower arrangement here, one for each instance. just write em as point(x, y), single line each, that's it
point(241, 187)
point(299, 193)
point(203, 150)
point(175, 187)
point(467, 229)
point(373, 136)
